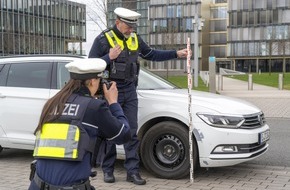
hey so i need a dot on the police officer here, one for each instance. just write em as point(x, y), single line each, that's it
point(120, 47)
point(71, 127)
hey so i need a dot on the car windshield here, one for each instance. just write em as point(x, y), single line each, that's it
point(150, 81)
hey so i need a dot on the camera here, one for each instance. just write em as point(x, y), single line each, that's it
point(100, 92)
point(106, 82)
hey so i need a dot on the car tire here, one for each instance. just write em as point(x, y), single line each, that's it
point(165, 149)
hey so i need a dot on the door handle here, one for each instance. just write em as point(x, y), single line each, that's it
point(2, 96)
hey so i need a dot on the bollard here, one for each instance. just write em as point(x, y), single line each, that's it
point(280, 86)
point(220, 82)
point(250, 82)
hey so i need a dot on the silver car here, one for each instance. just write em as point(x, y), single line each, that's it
point(226, 131)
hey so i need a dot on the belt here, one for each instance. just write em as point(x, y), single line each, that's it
point(45, 186)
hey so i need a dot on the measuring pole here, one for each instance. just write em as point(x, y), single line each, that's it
point(189, 83)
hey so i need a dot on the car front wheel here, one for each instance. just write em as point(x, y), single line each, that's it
point(165, 150)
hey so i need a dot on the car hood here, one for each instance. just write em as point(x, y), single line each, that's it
point(210, 101)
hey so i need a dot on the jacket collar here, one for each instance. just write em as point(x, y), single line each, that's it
point(118, 33)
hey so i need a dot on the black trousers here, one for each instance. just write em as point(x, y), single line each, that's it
point(129, 102)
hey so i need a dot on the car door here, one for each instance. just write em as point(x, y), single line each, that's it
point(23, 92)
point(60, 76)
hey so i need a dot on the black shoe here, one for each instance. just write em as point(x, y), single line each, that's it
point(109, 178)
point(136, 179)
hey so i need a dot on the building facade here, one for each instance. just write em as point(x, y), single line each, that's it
point(244, 35)
point(41, 26)
point(259, 35)
point(141, 6)
point(218, 23)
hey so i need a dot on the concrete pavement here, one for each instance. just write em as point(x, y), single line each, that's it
point(273, 102)
point(14, 164)
point(14, 173)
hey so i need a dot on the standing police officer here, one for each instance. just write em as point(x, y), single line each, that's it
point(120, 47)
point(71, 126)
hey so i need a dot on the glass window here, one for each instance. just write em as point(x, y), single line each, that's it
point(257, 33)
point(259, 4)
point(286, 16)
point(269, 4)
point(189, 25)
point(31, 75)
point(234, 5)
point(163, 25)
point(246, 4)
point(178, 11)
point(269, 33)
point(251, 18)
point(263, 15)
point(170, 11)
point(15, 5)
point(281, 3)
point(218, 25)
point(62, 75)
point(275, 16)
point(263, 48)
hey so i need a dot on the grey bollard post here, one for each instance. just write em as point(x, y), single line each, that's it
point(220, 82)
point(212, 75)
point(280, 82)
point(250, 82)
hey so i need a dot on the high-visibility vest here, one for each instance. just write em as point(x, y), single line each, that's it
point(131, 42)
point(66, 139)
point(125, 66)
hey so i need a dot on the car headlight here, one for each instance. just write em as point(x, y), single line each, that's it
point(222, 120)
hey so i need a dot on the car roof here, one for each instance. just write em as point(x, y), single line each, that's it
point(37, 57)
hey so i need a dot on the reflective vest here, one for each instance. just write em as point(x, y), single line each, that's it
point(131, 42)
point(66, 138)
point(125, 66)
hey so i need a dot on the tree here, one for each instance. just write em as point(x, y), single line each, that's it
point(97, 13)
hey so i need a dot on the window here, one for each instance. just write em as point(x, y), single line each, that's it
point(170, 11)
point(178, 11)
point(62, 75)
point(31, 75)
point(189, 25)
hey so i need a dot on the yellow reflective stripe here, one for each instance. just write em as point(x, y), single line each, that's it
point(77, 135)
point(132, 42)
point(57, 152)
point(51, 141)
point(54, 131)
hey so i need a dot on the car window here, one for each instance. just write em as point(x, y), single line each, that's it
point(149, 81)
point(30, 75)
point(62, 75)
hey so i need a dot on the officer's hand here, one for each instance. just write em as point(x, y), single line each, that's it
point(183, 53)
point(111, 94)
point(115, 52)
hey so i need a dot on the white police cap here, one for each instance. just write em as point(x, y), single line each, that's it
point(128, 16)
point(83, 69)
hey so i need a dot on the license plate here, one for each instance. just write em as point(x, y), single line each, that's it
point(264, 136)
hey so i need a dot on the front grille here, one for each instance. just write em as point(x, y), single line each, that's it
point(254, 121)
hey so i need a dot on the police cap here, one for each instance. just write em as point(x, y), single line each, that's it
point(83, 69)
point(128, 16)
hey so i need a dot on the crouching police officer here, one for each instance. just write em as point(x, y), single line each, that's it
point(71, 126)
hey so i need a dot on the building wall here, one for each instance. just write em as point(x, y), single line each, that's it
point(259, 35)
point(245, 35)
point(41, 26)
point(218, 22)
point(140, 6)
point(171, 23)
